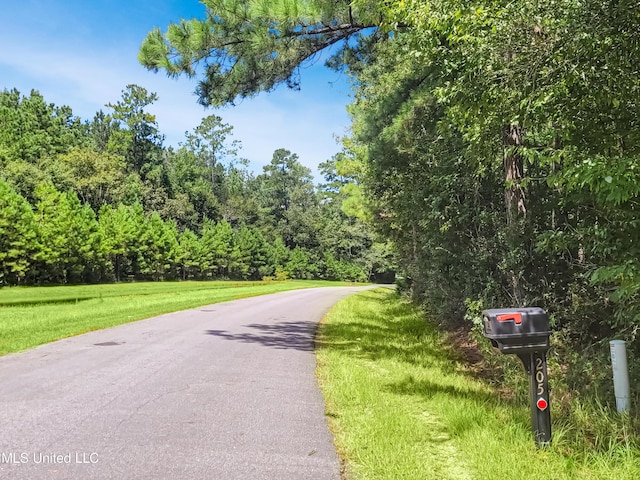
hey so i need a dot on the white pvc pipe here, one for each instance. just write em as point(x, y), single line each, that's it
point(620, 374)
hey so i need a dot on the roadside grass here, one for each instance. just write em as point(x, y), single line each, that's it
point(402, 405)
point(31, 316)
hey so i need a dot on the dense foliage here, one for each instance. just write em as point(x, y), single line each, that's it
point(496, 143)
point(104, 200)
point(500, 145)
point(501, 149)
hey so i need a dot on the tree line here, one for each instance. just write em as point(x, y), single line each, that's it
point(104, 200)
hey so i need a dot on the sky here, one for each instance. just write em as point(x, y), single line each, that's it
point(83, 53)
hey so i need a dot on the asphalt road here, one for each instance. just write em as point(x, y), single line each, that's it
point(226, 391)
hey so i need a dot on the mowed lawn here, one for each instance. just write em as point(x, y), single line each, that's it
point(31, 316)
point(402, 405)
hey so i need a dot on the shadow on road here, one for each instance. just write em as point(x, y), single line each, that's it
point(281, 336)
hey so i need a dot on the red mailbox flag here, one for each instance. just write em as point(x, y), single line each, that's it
point(511, 317)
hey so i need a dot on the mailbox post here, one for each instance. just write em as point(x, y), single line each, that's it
point(525, 332)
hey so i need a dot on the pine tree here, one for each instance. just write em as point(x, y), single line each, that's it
point(249, 47)
point(18, 242)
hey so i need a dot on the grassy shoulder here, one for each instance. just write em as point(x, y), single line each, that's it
point(402, 406)
point(31, 316)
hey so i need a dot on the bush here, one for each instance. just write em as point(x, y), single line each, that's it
point(281, 274)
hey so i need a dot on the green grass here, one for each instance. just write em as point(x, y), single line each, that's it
point(31, 316)
point(402, 406)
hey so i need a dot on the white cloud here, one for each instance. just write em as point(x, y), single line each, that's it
point(304, 122)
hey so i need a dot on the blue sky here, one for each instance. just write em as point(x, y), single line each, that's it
point(82, 53)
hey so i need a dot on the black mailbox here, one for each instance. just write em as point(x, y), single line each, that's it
point(525, 332)
point(517, 330)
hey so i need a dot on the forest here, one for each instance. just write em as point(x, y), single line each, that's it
point(501, 143)
point(103, 200)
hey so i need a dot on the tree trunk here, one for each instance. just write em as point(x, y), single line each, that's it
point(513, 167)
point(117, 267)
point(516, 206)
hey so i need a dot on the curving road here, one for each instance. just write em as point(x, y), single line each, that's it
point(226, 391)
